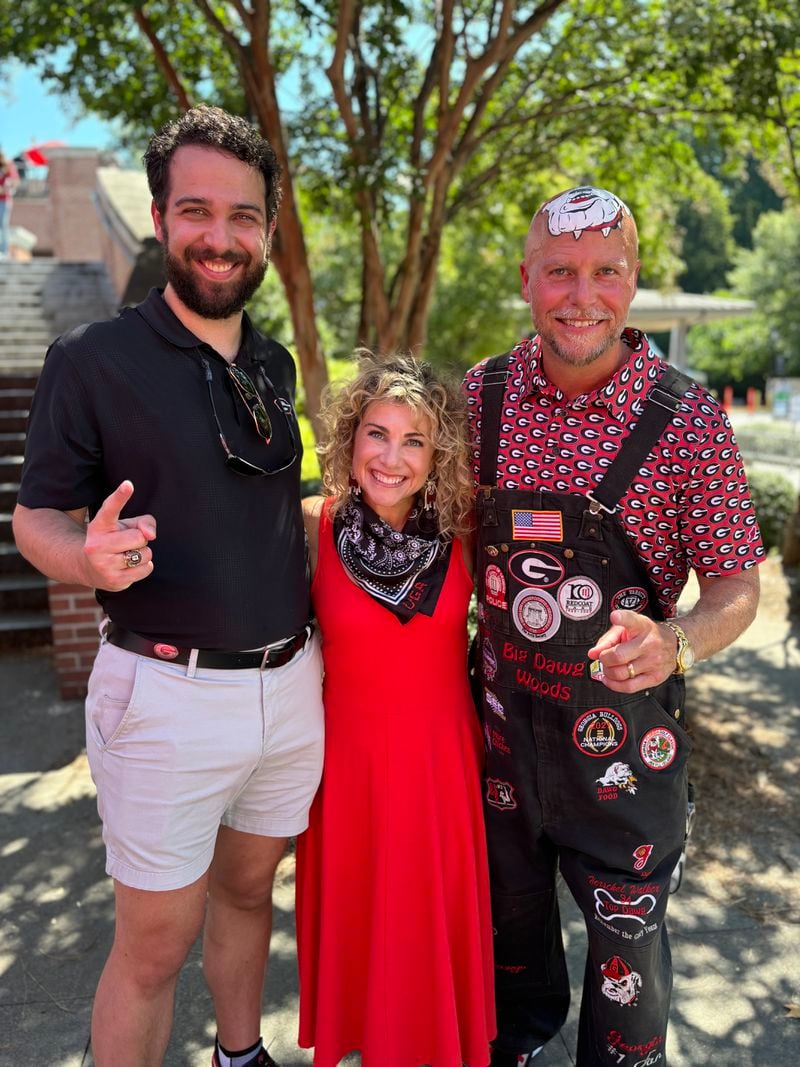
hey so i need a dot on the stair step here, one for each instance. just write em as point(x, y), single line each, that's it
point(26, 349)
point(8, 495)
point(23, 592)
point(13, 421)
point(12, 444)
point(20, 582)
point(20, 621)
point(11, 562)
point(31, 335)
point(29, 365)
point(18, 397)
point(10, 468)
point(29, 317)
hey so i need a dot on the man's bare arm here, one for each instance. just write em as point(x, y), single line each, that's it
point(62, 546)
point(725, 609)
point(634, 643)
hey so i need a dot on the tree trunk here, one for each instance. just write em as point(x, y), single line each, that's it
point(290, 255)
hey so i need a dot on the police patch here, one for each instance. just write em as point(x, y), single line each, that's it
point(634, 598)
point(495, 585)
point(579, 598)
point(600, 732)
point(658, 748)
point(536, 568)
point(535, 614)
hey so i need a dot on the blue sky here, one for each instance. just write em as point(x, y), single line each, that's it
point(28, 114)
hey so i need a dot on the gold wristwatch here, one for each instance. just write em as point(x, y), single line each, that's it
point(684, 657)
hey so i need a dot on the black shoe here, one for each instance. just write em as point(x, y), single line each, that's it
point(262, 1059)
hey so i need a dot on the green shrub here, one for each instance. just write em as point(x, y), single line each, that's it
point(775, 501)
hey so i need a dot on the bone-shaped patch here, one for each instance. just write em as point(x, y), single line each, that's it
point(609, 908)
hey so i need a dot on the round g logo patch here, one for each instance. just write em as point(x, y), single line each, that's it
point(536, 568)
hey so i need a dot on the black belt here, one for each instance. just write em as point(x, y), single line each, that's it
point(230, 661)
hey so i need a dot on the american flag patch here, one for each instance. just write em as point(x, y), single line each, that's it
point(537, 526)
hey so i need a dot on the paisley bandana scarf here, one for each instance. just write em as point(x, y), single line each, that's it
point(404, 570)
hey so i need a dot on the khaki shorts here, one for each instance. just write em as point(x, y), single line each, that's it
point(174, 757)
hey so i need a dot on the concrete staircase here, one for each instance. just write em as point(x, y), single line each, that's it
point(38, 300)
point(24, 609)
point(41, 299)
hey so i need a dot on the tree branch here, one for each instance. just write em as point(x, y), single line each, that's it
point(499, 48)
point(167, 69)
point(228, 37)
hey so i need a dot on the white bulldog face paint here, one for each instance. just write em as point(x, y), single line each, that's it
point(578, 278)
point(584, 208)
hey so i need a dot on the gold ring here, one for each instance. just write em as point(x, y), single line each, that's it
point(631, 671)
point(133, 557)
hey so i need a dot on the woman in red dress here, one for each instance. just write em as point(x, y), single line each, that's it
point(393, 914)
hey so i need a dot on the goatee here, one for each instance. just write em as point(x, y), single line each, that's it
point(212, 300)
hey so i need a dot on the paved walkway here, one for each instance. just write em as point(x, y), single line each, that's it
point(735, 924)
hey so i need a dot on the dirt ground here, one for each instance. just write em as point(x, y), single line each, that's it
point(745, 723)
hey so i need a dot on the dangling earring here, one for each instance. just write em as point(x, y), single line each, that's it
point(429, 500)
point(355, 488)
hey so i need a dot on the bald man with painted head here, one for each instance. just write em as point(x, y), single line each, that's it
point(604, 478)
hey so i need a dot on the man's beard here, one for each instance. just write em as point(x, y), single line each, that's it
point(580, 359)
point(572, 355)
point(212, 300)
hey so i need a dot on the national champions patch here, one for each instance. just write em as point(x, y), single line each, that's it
point(600, 732)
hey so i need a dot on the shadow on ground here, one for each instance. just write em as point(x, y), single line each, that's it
point(735, 925)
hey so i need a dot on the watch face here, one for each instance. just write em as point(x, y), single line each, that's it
point(686, 657)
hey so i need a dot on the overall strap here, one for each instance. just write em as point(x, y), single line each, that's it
point(493, 390)
point(663, 402)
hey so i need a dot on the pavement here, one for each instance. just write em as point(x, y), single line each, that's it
point(735, 923)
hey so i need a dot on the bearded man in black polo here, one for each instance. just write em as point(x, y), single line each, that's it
point(162, 469)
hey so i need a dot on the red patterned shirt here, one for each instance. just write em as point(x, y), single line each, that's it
point(689, 506)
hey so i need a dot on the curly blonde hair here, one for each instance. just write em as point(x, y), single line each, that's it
point(403, 379)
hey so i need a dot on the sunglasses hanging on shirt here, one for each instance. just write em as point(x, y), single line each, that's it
point(248, 394)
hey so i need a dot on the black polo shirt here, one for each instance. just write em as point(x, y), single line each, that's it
point(128, 399)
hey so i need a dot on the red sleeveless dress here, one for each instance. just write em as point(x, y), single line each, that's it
point(393, 916)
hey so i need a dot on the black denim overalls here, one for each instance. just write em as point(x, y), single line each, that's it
point(577, 776)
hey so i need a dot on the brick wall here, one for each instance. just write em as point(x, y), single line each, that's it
point(76, 227)
point(75, 617)
point(35, 213)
